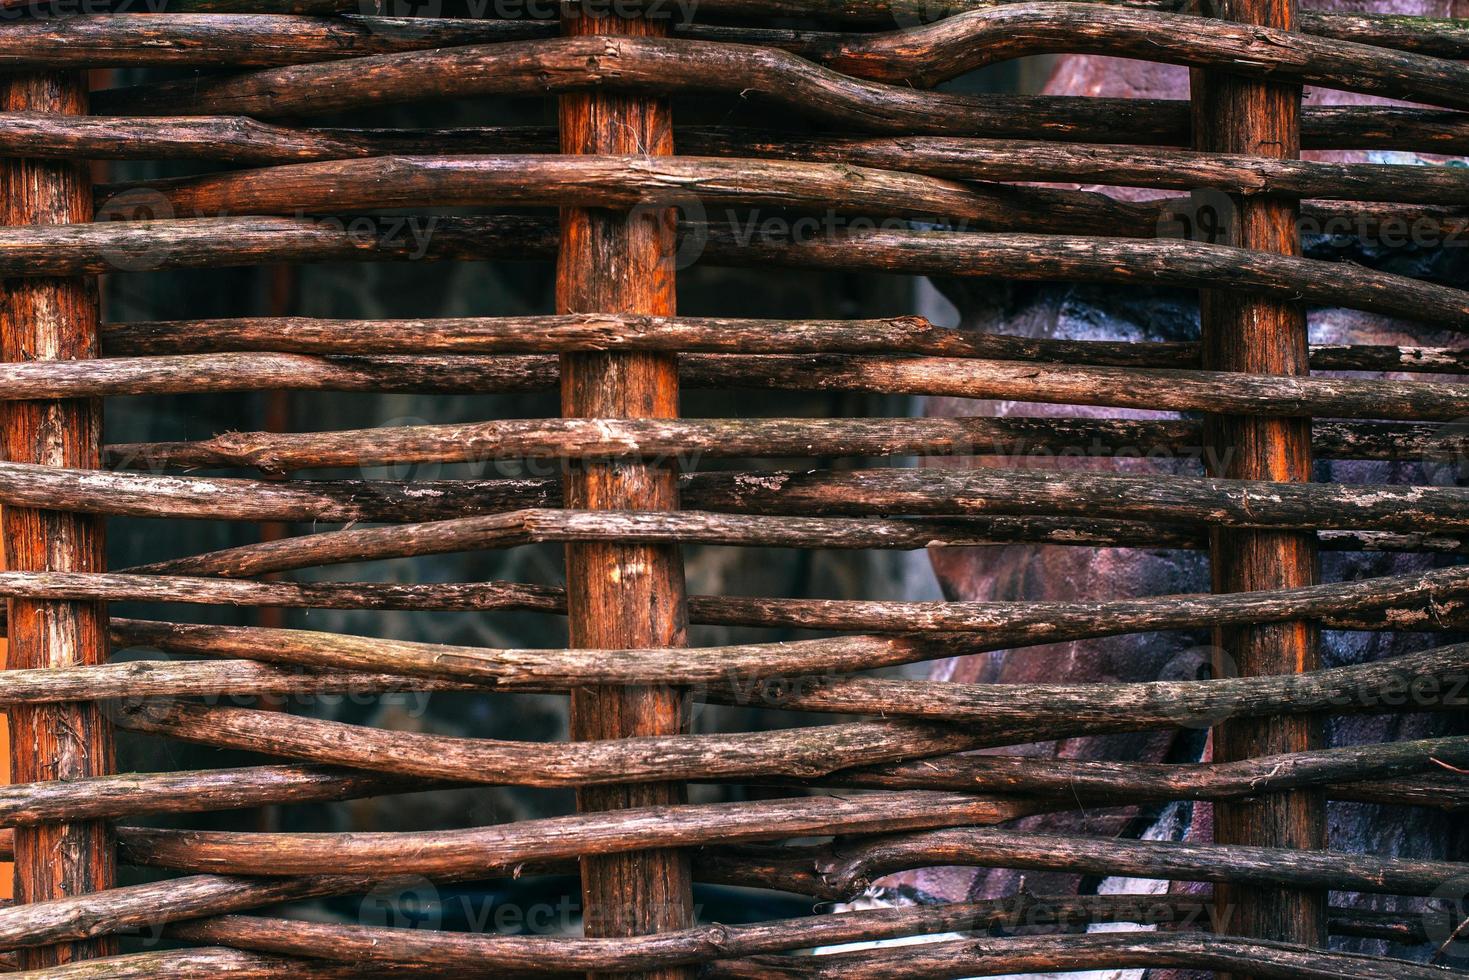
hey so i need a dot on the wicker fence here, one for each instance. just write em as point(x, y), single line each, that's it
point(888, 145)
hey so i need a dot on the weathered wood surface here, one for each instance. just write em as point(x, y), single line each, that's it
point(249, 39)
point(1423, 601)
point(661, 66)
point(209, 242)
point(1047, 954)
point(496, 850)
point(46, 319)
point(938, 52)
point(1268, 338)
point(925, 56)
point(199, 791)
point(624, 593)
point(243, 140)
point(591, 332)
point(814, 661)
point(1168, 389)
point(813, 492)
point(628, 761)
point(690, 442)
point(698, 945)
point(1343, 773)
point(958, 158)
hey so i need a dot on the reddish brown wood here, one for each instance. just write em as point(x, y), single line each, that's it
point(623, 595)
point(54, 319)
point(1261, 336)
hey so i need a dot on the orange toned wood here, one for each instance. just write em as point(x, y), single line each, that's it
point(1263, 337)
point(623, 595)
point(7, 869)
point(53, 319)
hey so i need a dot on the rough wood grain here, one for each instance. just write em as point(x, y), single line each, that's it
point(623, 593)
point(53, 319)
point(1251, 334)
point(556, 334)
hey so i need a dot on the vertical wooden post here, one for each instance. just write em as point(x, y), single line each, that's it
point(623, 596)
point(54, 319)
point(1234, 115)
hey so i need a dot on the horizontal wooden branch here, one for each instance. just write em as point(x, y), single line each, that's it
point(191, 964)
point(1115, 261)
point(689, 442)
point(330, 501)
point(1420, 601)
point(1444, 37)
point(801, 752)
point(488, 851)
point(1156, 497)
point(959, 158)
point(117, 40)
point(317, 501)
point(1354, 773)
point(698, 945)
point(924, 56)
point(519, 528)
point(243, 140)
point(798, 675)
point(154, 904)
point(701, 944)
point(595, 332)
point(921, 491)
point(1169, 389)
point(198, 791)
point(1101, 782)
point(106, 246)
point(937, 52)
point(914, 183)
point(852, 867)
point(1022, 955)
point(549, 180)
point(677, 66)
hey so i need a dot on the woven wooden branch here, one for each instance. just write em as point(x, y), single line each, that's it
point(591, 332)
point(488, 851)
point(215, 39)
point(200, 791)
point(958, 158)
point(243, 140)
point(1154, 388)
point(957, 45)
point(362, 944)
point(185, 243)
point(976, 957)
point(802, 752)
point(1344, 773)
point(1227, 503)
point(1419, 601)
point(1132, 782)
point(925, 56)
point(1426, 680)
point(142, 495)
point(851, 867)
point(689, 442)
point(667, 66)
